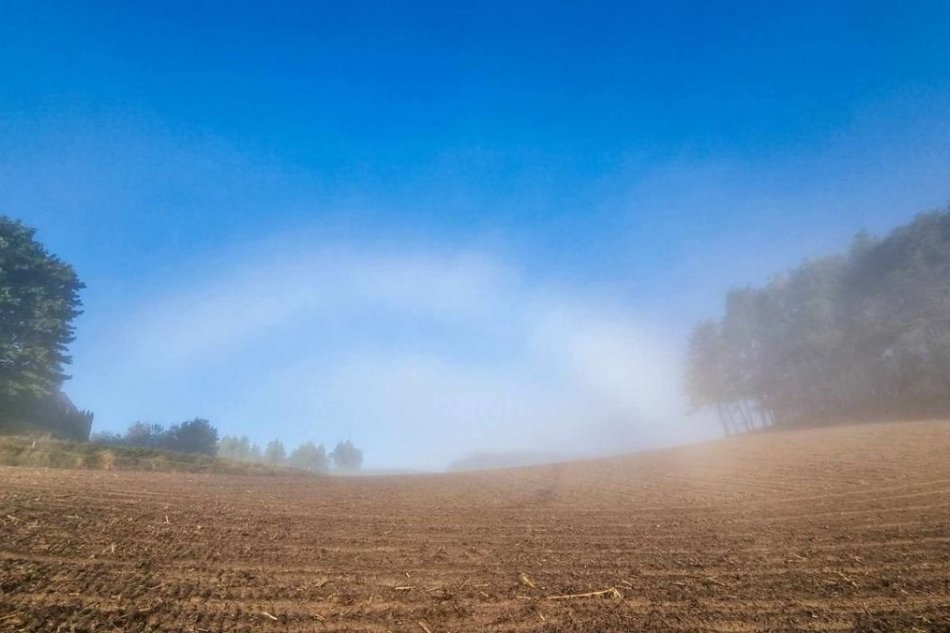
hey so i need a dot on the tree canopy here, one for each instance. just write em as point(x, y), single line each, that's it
point(39, 299)
point(193, 436)
point(309, 456)
point(856, 336)
point(346, 456)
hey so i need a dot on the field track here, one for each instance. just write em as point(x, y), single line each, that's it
point(831, 529)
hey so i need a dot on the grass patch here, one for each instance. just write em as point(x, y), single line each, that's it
point(45, 452)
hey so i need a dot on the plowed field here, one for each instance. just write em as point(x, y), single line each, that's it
point(833, 529)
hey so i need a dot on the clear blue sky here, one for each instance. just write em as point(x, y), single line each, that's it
point(438, 227)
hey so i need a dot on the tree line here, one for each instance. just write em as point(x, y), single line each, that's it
point(860, 335)
point(200, 436)
point(193, 436)
point(307, 456)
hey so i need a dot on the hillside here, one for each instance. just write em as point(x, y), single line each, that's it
point(843, 528)
point(44, 452)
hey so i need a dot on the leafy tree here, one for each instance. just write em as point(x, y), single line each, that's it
point(307, 456)
point(243, 449)
point(857, 336)
point(346, 456)
point(193, 436)
point(705, 382)
point(236, 448)
point(145, 435)
point(227, 447)
point(39, 299)
point(275, 454)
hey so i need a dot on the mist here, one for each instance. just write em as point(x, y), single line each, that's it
point(421, 357)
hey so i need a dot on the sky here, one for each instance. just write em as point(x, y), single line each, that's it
point(442, 228)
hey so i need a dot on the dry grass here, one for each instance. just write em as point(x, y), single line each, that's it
point(44, 452)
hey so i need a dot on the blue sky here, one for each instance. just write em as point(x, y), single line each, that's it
point(440, 228)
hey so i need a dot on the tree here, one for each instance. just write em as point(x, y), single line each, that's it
point(145, 435)
point(307, 456)
point(243, 449)
point(346, 456)
point(54, 414)
point(238, 449)
point(39, 299)
point(227, 447)
point(275, 453)
point(705, 382)
point(193, 436)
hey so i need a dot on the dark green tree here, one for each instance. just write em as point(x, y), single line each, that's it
point(39, 299)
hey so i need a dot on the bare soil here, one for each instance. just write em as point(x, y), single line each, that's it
point(845, 528)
